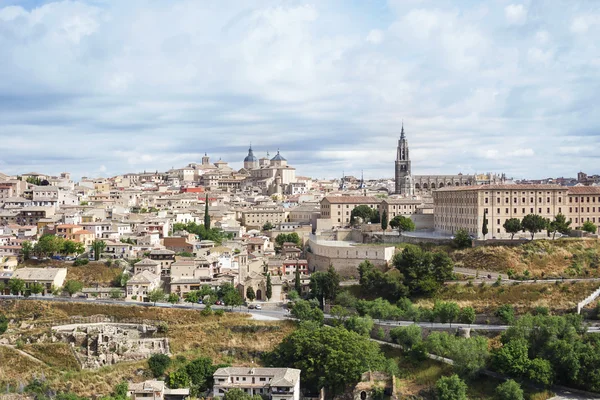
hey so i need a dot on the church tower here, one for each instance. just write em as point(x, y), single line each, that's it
point(250, 162)
point(404, 181)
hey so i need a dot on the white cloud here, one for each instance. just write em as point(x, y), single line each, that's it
point(582, 23)
point(375, 36)
point(522, 153)
point(515, 14)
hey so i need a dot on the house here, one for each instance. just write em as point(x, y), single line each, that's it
point(165, 258)
point(274, 383)
point(147, 265)
point(141, 284)
point(155, 390)
point(49, 277)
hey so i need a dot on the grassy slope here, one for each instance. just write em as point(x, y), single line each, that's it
point(90, 274)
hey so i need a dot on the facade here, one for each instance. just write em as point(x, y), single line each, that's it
point(337, 209)
point(257, 217)
point(275, 383)
point(141, 284)
point(403, 177)
point(155, 390)
point(48, 277)
point(584, 205)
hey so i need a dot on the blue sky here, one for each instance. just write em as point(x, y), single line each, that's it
point(105, 87)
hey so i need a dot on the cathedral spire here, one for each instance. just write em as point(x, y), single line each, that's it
point(402, 131)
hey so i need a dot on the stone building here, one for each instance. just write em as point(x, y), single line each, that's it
point(273, 383)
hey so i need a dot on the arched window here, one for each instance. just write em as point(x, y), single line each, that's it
point(433, 185)
point(417, 186)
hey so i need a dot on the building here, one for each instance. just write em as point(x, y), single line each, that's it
point(403, 177)
point(259, 216)
point(140, 285)
point(584, 205)
point(463, 207)
point(155, 390)
point(275, 383)
point(336, 210)
point(50, 278)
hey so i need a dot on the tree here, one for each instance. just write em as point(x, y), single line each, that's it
point(364, 212)
point(206, 214)
point(192, 297)
point(98, 247)
point(324, 285)
point(534, 223)
point(36, 288)
point(510, 390)
point(407, 336)
point(71, 247)
point(158, 364)
point(268, 226)
point(305, 311)
point(484, 228)
point(72, 287)
point(506, 313)
point(388, 285)
point(178, 379)
point(512, 226)
point(297, 280)
point(201, 372)
point(588, 226)
point(402, 223)
point(48, 245)
point(207, 295)
point(16, 285)
point(173, 298)
point(3, 323)
point(451, 388)
point(423, 272)
point(333, 358)
point(466, 315)
point(446, 311)
point(360, 325)
point(232, 298)
point(26, 249)
point(250, 295)
point(156, 295)
point(287, 238)
point(116, 294)
point(269, 289)
point(462, 239)
point(384, 221)
point(238, 394)
point(560, 225)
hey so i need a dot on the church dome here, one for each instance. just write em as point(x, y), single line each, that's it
point(278, 157)
point(250, 157)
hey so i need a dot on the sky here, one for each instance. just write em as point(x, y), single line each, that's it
point(106, 87)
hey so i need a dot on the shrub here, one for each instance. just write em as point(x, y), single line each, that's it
point(509, 390)
point(206, 312)
point(220, 312)
point(158, 364)
point(462, 239)
point(451, 388)
point(81, 261)
point(506, 313)
point(3, 323)
point(407, 336)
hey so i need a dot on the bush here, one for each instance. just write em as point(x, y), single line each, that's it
point(3, 323)
point(220, 312)
point(451, 388)
point(407, 336)
point(462, 239)
point(81, 261)
point(206, 312)
point(509, 390)
point(506, 313)
point(360, 325)
point(158, 364)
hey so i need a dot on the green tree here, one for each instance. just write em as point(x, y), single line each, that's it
point(72, 287)
point(156, 295)
point(16, 285)
point(512, 358)
point(407, 336)
point(388, 285)
point(305, 311)
point(510, 390)
point(333, 358)
point(268, 226)
point(588, 226)
point(466, 315)
point(402, 223)
point(201, 372)
point(98, 247)
point(484, 227)
point(238, 394)
point(173, 298)
point(287, 238)
point(116, 294)
point(158, 364)
point(71, 247)
point(512, 226)
point(206, 214)
point(207, 295)
point(250, 295)
point(384, 221)
point(233, 299)
point(178, 379)
point(48, 245)
point(451, 388)
point(534, 223)
point(560, 225)
point(26, 249)
point(192, 297)
point(462, 239)
point(540, 371)
point(423, 272)
point(269, 289)
point(447, 312)
point(3, 323)
point(364, 212)
point(36, 288)
point(325, 285)
point(506, 313)
point(360, 325)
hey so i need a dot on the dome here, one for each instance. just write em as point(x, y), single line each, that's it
point(250, 157)
point(278, 157)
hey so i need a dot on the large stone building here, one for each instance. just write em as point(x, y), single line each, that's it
point(273, 383)
point(464, 207)
point(407, 184)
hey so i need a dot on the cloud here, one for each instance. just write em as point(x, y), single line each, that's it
point(515, 14)
point(136, 85)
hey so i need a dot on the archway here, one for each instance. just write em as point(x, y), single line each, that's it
point(259, 294)
point(433, 185)
point(441, 185)
point(417, 186)
point(425, 186)
point(457, 184)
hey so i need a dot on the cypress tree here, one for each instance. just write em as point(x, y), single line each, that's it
point(206, 215)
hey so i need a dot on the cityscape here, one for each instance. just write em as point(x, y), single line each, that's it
point(287, 201)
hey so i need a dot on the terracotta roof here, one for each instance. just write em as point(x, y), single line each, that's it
point(352, 199)
point(501, 187)
point(584, 190)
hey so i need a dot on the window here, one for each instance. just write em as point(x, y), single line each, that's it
point(506, 211)
point(498, 211)
point(498, 221)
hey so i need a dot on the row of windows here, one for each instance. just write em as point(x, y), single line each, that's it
point(586, 198)
point(523, 200)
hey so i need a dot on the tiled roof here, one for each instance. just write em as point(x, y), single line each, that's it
point(352, 200)
point(501, 187)
point(286, 377)
point(584, 190)
point(40, 274)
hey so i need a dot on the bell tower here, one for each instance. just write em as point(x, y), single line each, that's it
point(403, 177)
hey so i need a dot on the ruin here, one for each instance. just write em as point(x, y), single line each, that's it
point(100, 344)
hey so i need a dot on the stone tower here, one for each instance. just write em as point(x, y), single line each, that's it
point(404, 181)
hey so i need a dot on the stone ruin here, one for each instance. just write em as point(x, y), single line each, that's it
point(100, 344)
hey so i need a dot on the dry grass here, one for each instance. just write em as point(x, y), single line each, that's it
point(16, 368)
point(93, 273)
point(542, 258)
point(559, 298)
point(232, 338)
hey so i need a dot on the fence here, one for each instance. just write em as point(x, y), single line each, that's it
point(587, 300)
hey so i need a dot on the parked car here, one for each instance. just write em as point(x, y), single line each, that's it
point(251, 306)
point(258, 307)
point(200, 301)
point(219, 302)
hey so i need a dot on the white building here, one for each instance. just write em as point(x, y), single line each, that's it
point(278, 383)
